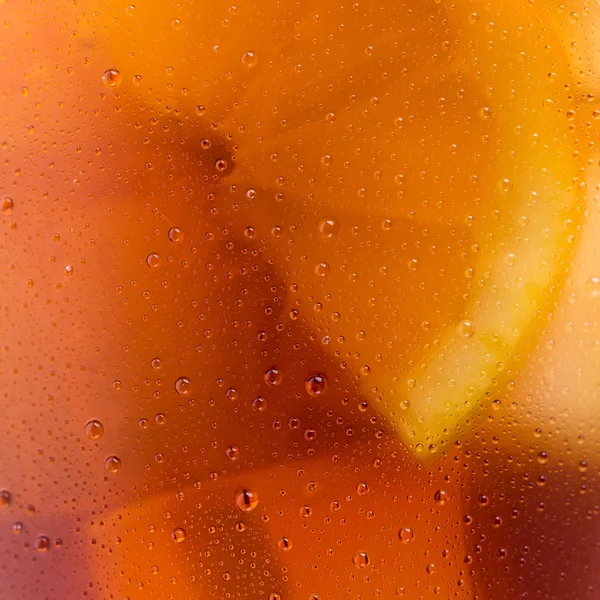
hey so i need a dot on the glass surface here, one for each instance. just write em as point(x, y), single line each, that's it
point(299, 300)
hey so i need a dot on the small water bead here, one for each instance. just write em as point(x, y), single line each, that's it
point(112, 78)
point(406, 535)
point(316, 384)
point(175, 234)
point(284, 544)
point(305, 511)
point(593, 287)
point(232, 453)
point(466, 329)
point(5, 498)
point(329, 227)
point(69, 270)
point(322, 269)
point(273, 376)
point(17, 527)
point(156, 363)
point(246, 500)
point(183, 386)
point(42, 543)
point(113, 464)
point(542, 457)
point(249, 59)
point(178, 535)
point(275, 596)
point(6, 205)
point(240, 526)
point(259, 404)
point(153, 260)
point(94, 429)
point(360, 559)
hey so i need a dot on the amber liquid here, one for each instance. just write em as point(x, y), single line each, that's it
point(233, 235)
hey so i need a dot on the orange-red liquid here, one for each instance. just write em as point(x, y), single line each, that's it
point(231, 235)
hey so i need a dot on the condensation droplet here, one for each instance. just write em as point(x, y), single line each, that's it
point(322, 269)
point(183, 386)
point(153, 260)
point(329, 227)
point(112, 78)
point(178, 534)
point(175, 235)
point(7, 205)
point(406, 535)
point(94, 429)
point(232, 453)
point(249, 59)
point(113, 464)
point(259, 404)
point(360, 559)
point(246, 500)
point(466, 329)
point(441, 497)
point(284, 544)
point(273, 376)
point(593, 287)
point(316, 384)
point(42, 543)
point(5, 498)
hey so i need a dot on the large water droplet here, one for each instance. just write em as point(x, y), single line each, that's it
point(246, 500)
point(94, 429)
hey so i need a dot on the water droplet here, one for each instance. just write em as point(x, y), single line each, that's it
point(221, 165)
point(273, 376)
point(360, 559)
point(505, 185)
point(542, 457)
point(249, 59)
point(329, 227)
point(5, 498)
point(42, 543)
point(259, 404)
point(7, 205)
point(284, 544)
point(466, 329)
point(322, 269)
point(305, 511)
point(175, 235)
point(441, 497)
point(178, 534)
point(113, 464)
point(232, 453)
point(406, 535)
point(183, 386)
point(430, 568)
point(246, 500)
point(362, 488)
point(17, 527)
point(316, 384)
point(94, 429)
point(153, 260)
point(156, 363)
point(112, 78)
point(593, 287)
point(240, 526)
